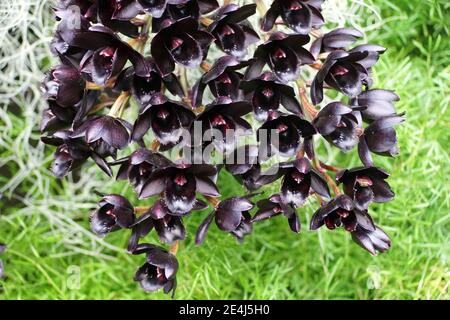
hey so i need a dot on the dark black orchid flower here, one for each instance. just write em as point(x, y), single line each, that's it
point(169, 228)
point(231, 215)
point(191, 8)
point(87, 8)
point(282, 134)
point(380, 138)
point(70, 21)
point(340, 125)
point(64, 85)
point(144, 88)
point(156, 8)
point(372, 240)
point(274, 206)
point(116, 15)
point(166, 118)
point(232, 31)
point(56, 117)
point(364, 185)
point(182, 42)
point(267, 95)
point(243, 164)
point(168, 225)
point(284, 54)
point(341, 211)
point(159, 270)
point(107, 54)
point(299, 181)
point(298, 15)
point(222, 79)
point(115, 212)
point(373, 54)
point(337, 39)
point(221, 123)
point(342, 71)
point(179, 184)
point(2, 268)
point(104, 134)
point(70, 153)
point(377, 103)
point(139, 166)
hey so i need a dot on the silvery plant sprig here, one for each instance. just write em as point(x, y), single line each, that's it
point(201, 76)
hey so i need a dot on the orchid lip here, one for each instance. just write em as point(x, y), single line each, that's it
point(267, 92)
point(339, 70)
point(279, 54)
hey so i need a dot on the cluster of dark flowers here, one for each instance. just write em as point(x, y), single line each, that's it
point(116, 54)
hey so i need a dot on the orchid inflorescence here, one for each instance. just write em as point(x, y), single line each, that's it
point(119, 54)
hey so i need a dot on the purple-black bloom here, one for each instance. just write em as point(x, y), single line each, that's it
point(139, 166)
point(180, 42)
point(107, 54)
point(243, 164)
point(70, 153)
point(380, 138)
point(231, 215)
point(341, 211)
point(191, 8)
point(340, 125)
point(274, 206)
point(166, 118)
point(56, 117)
point(167, 224)
point(159, 270)
point(373, 241)
point(299, 181)
point(298, 15)
point(377, 103)
point(114, 212)
point(342, 71)
point(232, 32)
point(179, 184)
point(156, 8)
point(337, 39)
point(283, 134)
point(364, 185)
point(267, 95)
point(64, 85)
point(221, 122)
point(283, 53)
point(116, 15)
point(222, 79)
point(145, 87)
point(104, 134)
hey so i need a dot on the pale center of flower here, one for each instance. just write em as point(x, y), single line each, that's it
point(176, 42)
point(279, 54)
point(219, 121)
point(297, 176)
point(364, 181)
point(162, 114)
point(224, 78)
point(295, 6)
point(227, 30)
point(342, 213)
point(282, 127)
point(267, 92)
point(339, 70)
point(180, 179)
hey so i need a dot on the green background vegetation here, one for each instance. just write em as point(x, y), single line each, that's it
point(48, 234)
